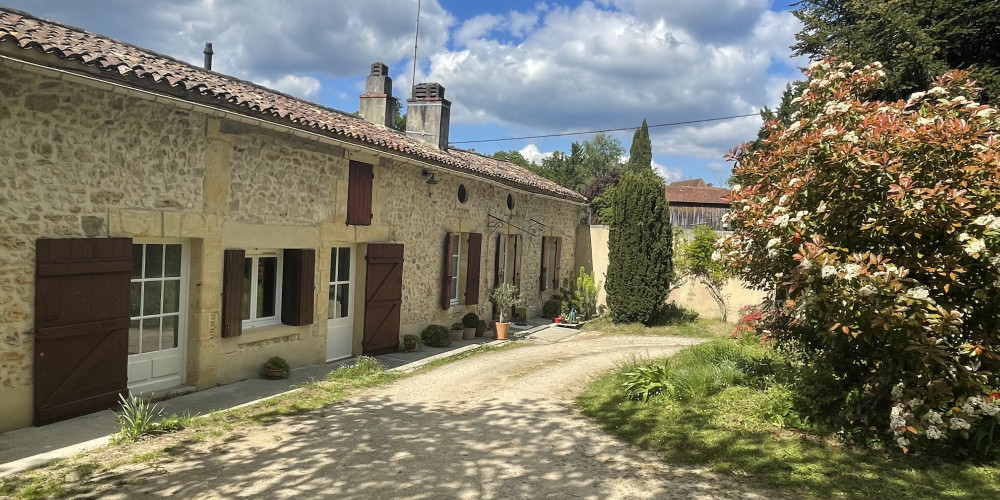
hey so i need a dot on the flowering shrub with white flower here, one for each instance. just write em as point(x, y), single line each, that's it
point(889, 271)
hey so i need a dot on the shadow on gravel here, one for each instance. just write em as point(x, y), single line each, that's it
point(530, 448)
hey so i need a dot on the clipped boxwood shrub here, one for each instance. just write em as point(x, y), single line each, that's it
point(552, 308)
point(435, 336)
point(470, 320)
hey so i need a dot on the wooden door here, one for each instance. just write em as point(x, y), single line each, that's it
point(81, 323)
point(383, 298)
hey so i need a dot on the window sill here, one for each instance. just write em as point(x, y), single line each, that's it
point(268, 332)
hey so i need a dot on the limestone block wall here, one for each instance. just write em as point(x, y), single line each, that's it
point(72, 157)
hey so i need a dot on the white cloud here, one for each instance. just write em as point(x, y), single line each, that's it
point(589, 67)
point(304, 87)
point(476, 27)
point(668, 175)
point(533, 155)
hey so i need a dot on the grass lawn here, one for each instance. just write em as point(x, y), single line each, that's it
point(740, 430)
point(701, 328)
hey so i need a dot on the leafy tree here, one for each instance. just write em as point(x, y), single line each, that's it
point(915, 39)
point(601, 156)
point(514, 157)
point(599, 192)
point(640, 155)
point(696, 259)
point(874, 222)
point(640, 249)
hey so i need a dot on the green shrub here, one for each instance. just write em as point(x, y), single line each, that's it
point(139, 417)
point(435, 336)
point(882, 244)
point(551, 308)
point(470, 320)
point(640, 248)
point(672, 314)
point(647, 380)
point(457, 326)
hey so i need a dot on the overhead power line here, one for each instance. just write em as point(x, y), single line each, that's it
point(672, 124)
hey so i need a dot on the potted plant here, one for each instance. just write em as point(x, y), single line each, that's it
point(456, 331)
point(410, 342)
point(276, 368)
point(481, 328)
point(470, 322)
point(505, 296)
point(435, 336)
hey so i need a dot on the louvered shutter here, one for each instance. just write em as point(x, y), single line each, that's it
point(543, 276)
point(232, 293)
point(446, 273)
point(472, 268)
point(298, 287)
point(359, 194)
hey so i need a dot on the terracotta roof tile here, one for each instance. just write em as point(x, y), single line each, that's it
point(696, 191)
point(135, 66)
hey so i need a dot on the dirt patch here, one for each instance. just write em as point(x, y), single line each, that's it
point(499, 425)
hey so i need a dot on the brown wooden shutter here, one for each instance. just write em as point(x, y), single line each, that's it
point(232, 293)
point(298, 287)
point(555, 266)
point(81, 325)
point(542, 275)
point(472, 268)
point(496, 262)
point(359, 194)
point(446, 273)
point(518, 258)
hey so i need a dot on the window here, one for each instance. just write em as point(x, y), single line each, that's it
point(261, 291)
point(508, 259)
point(266, 287)
point(463, 194)
point(456, 250)
point(549, 264)
point(454, 274)
point(155, 301)
point(340, 283)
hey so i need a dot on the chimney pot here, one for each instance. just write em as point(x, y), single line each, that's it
point(379, 69)
point(208, 55)
point(428, 115)
point(377, 105)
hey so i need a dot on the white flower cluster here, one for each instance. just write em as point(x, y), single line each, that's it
point(991, 222)
point(918, 293)
point(958, 424)
point(851, 271)
point(828, 271)
point(867, 291)
point(975, 246)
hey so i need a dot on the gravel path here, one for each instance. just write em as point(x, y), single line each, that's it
point(498, 425)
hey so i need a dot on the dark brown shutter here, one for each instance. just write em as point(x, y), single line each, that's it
point(298, 287)
point(232, 293)
point(518, 258)
point(542, 275)
point(446, 273)
point(359, 194)
point(555, 266)
point(81, 325)
point(472, 268)
point(496, 262)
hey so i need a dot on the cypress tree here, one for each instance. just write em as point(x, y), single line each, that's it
point(640, 155)
point(640, 248)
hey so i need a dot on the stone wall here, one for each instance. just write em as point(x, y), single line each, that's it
point(70, 156)
point(79, 161)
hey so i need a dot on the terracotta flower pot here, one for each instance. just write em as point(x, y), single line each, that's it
point(468, 333)
point(481, 329)
point(502, 330)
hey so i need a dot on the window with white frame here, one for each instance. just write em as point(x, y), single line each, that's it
point(549, 267)
point(155, 305)
point(456, 251)
point(261, 288)
point(340, 283)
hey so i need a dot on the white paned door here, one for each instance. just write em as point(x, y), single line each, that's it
point(340, 315)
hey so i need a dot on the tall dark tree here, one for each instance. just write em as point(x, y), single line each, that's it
point(640, 249)
point(640, 155)
point(915, 40)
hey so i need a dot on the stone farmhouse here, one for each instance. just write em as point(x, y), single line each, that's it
point(164, 225)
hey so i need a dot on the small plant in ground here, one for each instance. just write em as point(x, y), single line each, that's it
point(696, 259)
point(139, 417)
point(647, 380)
point(435, 336)
point(362, 368)
point(672, 314)
point(585, 294)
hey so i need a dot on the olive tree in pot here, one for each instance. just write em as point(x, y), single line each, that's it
point(505, 296)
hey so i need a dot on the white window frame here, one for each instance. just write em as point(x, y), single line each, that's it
point(550, 261)
point(255, 255)
point(456, 265)
point(182, 298)
point(335, 254)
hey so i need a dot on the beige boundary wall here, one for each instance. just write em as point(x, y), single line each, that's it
point(592, 254)
point(84, 161)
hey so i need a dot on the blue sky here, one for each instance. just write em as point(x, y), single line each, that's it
point(512, 68)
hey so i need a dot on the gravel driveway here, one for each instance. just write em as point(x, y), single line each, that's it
point(498, 425)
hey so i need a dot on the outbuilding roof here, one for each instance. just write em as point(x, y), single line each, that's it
point(696, 191)
point(75, 49)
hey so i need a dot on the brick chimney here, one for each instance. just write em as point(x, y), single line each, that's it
point(378, 106)
point(428, 115)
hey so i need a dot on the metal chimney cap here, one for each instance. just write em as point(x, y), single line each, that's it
point(208, 48)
